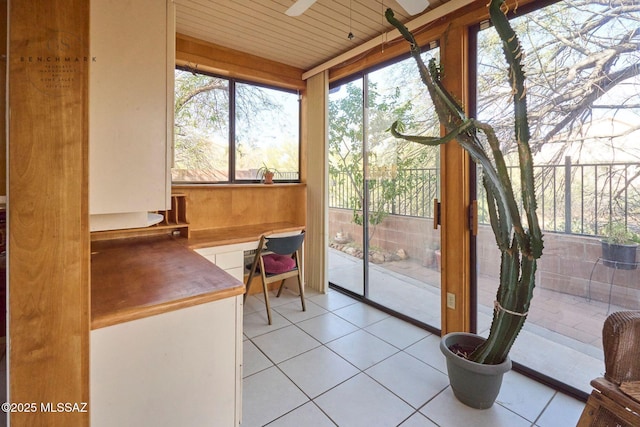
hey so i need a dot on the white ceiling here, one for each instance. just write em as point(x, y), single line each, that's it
point(260, 27)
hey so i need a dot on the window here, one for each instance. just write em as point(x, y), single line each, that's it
point(267, 132)
point(226, 130)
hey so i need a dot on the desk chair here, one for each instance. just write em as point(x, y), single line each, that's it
point(615, 400)
point(277, 258)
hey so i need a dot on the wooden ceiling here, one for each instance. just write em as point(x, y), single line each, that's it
point(260, 27)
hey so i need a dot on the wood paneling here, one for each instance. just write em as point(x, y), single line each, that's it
point(238, 234)
point(439, 30)
point(224, 206)
point(228, 62)
point(3, 96)
point(261, 28)
point(48, 210)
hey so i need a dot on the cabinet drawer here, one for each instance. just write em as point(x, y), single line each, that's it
point(237, 273)
point(227, 260)
point(207, 252)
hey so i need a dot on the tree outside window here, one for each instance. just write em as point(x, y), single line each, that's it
point(226, 130)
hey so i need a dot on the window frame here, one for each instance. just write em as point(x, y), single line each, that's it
point(232, 81)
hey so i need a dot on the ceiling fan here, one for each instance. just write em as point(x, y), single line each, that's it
point(412, 7)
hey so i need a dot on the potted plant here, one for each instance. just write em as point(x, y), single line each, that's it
point(472, 359)
point(619, 247)
point(266, 173)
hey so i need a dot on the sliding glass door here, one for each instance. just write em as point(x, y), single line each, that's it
point(583, 88)
point(346, 187)
point(383, 245)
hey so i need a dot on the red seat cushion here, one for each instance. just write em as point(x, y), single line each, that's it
point(276, 264)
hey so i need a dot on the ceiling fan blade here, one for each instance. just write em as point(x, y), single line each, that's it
point(299, 7)
point(413, 7)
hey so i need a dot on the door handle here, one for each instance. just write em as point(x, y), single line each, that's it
point(436, 214)
point(473, 217)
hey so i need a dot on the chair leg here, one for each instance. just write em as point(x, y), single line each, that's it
point(247, 285)
point(266, 300)
point(254, 265)
point(280, 288)
point(304, 307)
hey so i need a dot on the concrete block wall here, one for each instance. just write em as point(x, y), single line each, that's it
point(566, 265)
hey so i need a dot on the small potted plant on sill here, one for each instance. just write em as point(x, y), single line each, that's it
point(266, 173)
point(475, 364)
point(619, 247)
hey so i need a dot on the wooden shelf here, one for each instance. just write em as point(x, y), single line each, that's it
point(177, 216)
point(174, 219)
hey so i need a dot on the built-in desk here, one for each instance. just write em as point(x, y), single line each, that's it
point(226, 247)
point(242, 234)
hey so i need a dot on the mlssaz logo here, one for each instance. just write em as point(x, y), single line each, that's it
point(63, 407)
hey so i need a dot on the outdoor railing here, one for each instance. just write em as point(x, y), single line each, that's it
point(598, 193)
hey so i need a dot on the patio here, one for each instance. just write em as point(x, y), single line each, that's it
point(561, 328)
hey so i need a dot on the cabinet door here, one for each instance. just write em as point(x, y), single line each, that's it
point(230, 258)
point(181, 368)
point(130, 105)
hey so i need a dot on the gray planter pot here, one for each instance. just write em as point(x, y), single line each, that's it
point(474, 384)
point(619, 256)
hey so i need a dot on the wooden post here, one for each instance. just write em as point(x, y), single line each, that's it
point(48, 244)
point(455, 233)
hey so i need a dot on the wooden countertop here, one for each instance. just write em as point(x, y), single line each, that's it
point(144, 276)
point(241, 234)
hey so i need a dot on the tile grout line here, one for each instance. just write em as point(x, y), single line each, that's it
point(360, 371)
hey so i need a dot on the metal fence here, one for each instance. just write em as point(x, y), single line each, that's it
point(597, 194)
point(409, 193)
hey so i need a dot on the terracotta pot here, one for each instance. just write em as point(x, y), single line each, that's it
point(268, 178)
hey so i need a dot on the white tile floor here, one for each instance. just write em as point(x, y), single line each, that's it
point(347, 364)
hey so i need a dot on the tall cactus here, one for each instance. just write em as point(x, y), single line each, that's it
point(519, 239)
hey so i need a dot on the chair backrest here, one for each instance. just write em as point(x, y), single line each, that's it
point(621, 343)
point(285, 245)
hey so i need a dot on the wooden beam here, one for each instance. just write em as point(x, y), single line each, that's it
point(434, 15)
point(3, 97)
point(48, 243)
point(220, 60)
point(455, 233)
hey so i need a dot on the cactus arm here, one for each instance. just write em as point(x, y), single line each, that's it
point(424, 140)
point(446, 107)
point(514, 54)
point(516, 285)
point(459, 127)
point(520, 247)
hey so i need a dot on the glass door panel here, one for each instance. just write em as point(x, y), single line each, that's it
point(402, 182)
point(346, 194)
point(583, 121)
point(381, 192)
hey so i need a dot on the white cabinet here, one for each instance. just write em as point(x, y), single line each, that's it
point(230, 258)
point(180, 368)
point(130, 110)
